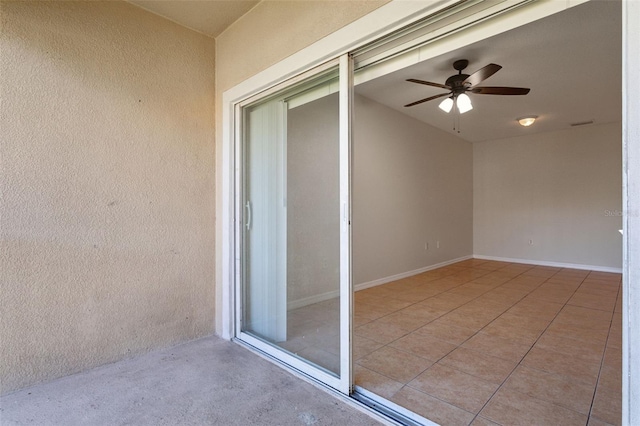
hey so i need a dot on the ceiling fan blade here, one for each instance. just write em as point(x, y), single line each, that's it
point(482, 74)
point(500, 90)
point(427, 99)
point(428, 83)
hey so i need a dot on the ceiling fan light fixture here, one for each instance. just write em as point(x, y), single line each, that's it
point(459, 83)
point(464, 103)
point(446, 105)
point(527, 121)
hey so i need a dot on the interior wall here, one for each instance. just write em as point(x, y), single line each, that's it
point(107, 182)
point(412, 185)
point(268, 33)
point(560, 190)
point(313, 201)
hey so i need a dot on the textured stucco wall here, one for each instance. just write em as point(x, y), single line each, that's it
point(107, 186)
point(268, 33)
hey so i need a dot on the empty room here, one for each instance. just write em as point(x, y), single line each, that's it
point(487, 253)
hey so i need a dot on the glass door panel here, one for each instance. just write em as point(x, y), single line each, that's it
point(294, 226)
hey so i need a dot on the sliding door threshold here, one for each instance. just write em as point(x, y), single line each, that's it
point(389, 409)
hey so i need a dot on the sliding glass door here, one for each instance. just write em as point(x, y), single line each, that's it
point(294, 217)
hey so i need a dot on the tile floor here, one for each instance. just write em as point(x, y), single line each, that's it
point(484, 343)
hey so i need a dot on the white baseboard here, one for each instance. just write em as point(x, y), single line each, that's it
point(553, 264)
point(295, 304)
point(317, 298)
point(396, 277)
point(333, 294)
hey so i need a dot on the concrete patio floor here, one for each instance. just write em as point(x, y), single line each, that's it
point(205, 382)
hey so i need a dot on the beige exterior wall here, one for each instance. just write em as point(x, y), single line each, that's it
point(107, 180)
point(270, 32)
point(275, 29)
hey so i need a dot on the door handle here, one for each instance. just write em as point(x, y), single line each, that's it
point(248, 207)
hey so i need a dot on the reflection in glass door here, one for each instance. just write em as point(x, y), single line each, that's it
point(295, 294)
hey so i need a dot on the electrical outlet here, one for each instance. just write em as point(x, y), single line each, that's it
point(437, 244)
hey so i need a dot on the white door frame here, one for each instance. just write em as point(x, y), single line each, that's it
point(384, 20)
point(273, 327)
point(631, 212)
point(392, 17)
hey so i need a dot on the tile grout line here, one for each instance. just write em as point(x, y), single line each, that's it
point(451, 310)
point(404, 335)
point(459, 345)
point(564, 305)
point(420, 301)
point(533, 344)
point(604, 351)
point(486, 272)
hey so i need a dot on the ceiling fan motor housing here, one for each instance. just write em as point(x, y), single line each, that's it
point(456, 83)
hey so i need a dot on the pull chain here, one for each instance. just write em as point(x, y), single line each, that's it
point(456, 120)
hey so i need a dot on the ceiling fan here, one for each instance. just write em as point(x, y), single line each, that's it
point(459, 84)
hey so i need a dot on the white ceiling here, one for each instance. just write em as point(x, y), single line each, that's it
point(570, 60)
point(210, 17)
